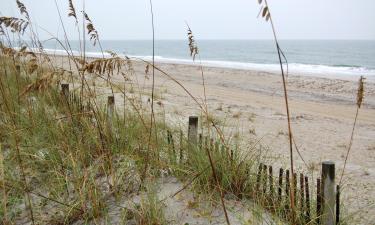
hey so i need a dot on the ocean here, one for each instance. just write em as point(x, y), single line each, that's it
point(326, 58)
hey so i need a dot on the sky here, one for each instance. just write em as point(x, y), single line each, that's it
point(209, 19)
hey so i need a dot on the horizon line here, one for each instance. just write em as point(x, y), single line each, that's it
point(233, 39)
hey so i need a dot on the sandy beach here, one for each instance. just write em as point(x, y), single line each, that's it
point(322, 110)
point(252, 105)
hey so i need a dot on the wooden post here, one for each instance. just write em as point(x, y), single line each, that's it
point(302, 195)
point(193, 130)
point(318, 201)
point(18, 69)
point(295, 188)
point(287, 189)
point(200, 142)
point(259, 177)
point(171, 143)
point(270, 181)
point(281, 173)
point(264, 180)
point(65, 90)
point(181, 147)
point(110, 112)
point(337, 204)
point(308, 208)
point(328, 192)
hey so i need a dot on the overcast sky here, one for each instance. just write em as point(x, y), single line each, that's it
point(209, 19)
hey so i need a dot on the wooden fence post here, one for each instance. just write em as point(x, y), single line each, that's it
point(295, 188)
point(287, 193)
point(200, 142)
point(110, 107)
point(281, 173)
point(271, 199)
point(302, 195)
point(318, 201)
point(307, 191)
point(171, 144)
point(264, 181)
point(65, 91)
point(270, 180)
point(337, 204)
point(181, 146)
point(259, 175)
point(328, 192)
point(193, 130)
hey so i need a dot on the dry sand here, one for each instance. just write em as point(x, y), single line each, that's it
point(252, 103)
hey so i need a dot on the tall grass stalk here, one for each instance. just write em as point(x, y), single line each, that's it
point(360, 98)
point(267, 14)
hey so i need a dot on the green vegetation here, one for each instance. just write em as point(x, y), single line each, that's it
point(64, 157)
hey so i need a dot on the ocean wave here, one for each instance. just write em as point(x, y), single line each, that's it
point(337, 71)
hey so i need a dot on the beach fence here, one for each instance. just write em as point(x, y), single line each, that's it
point(272, 189)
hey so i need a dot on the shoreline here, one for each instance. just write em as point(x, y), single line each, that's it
point(295, 69)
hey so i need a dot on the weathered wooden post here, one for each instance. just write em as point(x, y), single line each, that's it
point(295, 188)
point(193, 130)
point(281, 174)
point(181, 146)
point(171, 144)
point(307, 190)
point(110, 112)
point(18, 69)
point(318, 201)
point(264, 182)
point(328, 192)
point(287, 190)
point(259, 175)
point(271, 194)
point(337, 204)
point(270, 180)
point(65, 91)
point(302, 195)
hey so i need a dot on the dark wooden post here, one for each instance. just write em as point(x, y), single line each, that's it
point(337, 204)
point(171, 143)
point(264, 180)
point(281, 173)
point(328, 191)
point(110, 106)
point(259, 175)
point(302, 195)
point(270, 181)
point(308, 208)
point(295, 188)
point(200, 141)
point(318, 201)
point(65, 90)
point(18, 69)
point(110, 111)
point(181, 146)
point(193, 130)
point(287, 189)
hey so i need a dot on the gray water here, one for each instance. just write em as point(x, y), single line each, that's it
point(331, 57)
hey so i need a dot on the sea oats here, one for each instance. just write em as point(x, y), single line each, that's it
point(360, 92)
point(94, 36)
point(15, 24)
point(23, 9)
